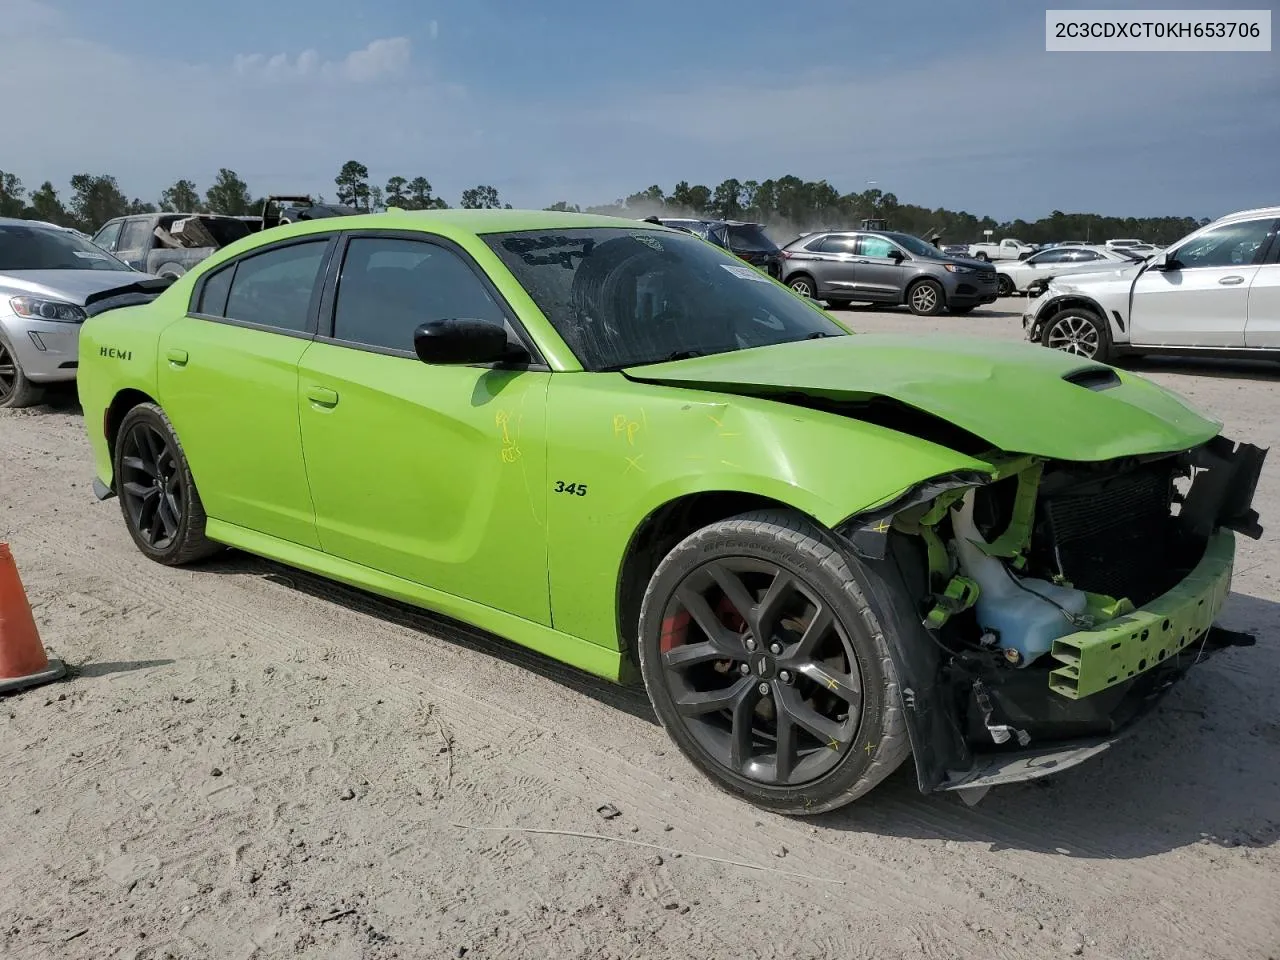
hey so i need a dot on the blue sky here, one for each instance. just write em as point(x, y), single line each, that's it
point(943, 103)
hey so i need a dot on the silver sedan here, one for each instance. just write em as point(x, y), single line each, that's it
point(47, 275)
point(1016, 276)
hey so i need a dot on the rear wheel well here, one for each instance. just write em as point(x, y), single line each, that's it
point(121, 404)
point(658, 534)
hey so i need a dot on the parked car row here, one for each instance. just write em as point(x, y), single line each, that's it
point(1020, 276)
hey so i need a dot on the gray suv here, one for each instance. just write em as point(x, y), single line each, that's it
point(878, 266)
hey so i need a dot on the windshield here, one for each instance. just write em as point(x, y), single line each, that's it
point(47, 248)
point(623, 297)
point(750, 238)
point(916, 246)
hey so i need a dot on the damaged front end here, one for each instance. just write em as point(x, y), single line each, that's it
point(1054, 602)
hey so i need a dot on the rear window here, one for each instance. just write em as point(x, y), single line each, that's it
point(750, 238)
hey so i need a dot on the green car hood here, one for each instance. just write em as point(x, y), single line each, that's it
point(1017, 397)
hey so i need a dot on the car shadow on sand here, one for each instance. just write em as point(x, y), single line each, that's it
point(630, 699)
point(60, 398)
point(1261, 370)
point(1200, 769)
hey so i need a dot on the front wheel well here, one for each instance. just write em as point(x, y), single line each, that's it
point(658, 534)
point(121, 404)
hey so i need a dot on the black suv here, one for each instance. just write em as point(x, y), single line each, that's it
point(742, 239)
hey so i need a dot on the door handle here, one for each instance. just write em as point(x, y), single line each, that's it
point(177, 357)
point(322, 397)
point(862, 261)
point(1231, 281)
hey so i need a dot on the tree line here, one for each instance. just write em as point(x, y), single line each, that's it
point(787, 206)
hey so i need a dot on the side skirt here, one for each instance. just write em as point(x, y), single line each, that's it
point(591, 657)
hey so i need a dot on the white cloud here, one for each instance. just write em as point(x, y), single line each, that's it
point(380, 59)
point(433, 29)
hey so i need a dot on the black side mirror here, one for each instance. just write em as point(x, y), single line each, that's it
point(465, 341)
point(896, 255)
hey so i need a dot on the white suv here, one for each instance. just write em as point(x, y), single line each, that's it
point(1215, 292)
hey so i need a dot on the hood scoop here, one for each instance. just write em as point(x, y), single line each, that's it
point(1093, 378)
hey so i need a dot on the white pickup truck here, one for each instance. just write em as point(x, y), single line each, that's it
point(1007, 249)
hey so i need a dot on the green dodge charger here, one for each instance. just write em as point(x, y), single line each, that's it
point(621, 446)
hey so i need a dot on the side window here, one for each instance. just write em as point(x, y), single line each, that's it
point(213, 294)
point(1232, 245)
point(136, 235)
point(108, 235)
point(1082, 255)
point(875, 247)
point(274, 289)
point(835, 243)
point(1050, 256)
point(390, 285)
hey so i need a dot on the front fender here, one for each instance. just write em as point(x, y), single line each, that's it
point(620, 450)
point(1062, 300)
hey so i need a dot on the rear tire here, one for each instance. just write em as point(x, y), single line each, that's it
point(926, 298)
point(832, 695)
point(981, 256)
point(15, 389)
point(803, 284)
point(158, 495)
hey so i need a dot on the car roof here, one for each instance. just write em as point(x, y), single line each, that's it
point(42, 224)
point(1256, 213)
point(456, 223)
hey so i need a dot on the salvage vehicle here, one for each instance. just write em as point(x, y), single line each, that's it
point(168, 244)
point(843, 267)
point(748, 241)
point(1017, 276)
point(48, 274)
point(1214, 293)
point(1007, 249)
point(278, 210)
point(618, 445)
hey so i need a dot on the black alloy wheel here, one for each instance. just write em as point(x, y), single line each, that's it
point(149, 485)
point(765, 664)
point(162, 509)
point(770, 687)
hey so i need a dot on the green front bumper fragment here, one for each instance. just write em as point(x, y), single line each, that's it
point(1120, 649)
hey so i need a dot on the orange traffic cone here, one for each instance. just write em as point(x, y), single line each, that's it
point(23, 662)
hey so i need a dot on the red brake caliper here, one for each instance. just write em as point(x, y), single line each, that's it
point(675, 629)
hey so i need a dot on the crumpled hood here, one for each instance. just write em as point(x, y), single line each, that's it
point(70, 286)
point(1015, 396)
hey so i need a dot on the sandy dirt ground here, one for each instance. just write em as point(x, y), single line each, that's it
point(248, 762)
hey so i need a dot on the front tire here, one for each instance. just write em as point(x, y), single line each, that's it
point(158, 495)
point(767, 666)
point(15, 389)
point(926, 298)
point(1080, 332)
point(1004, 286)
